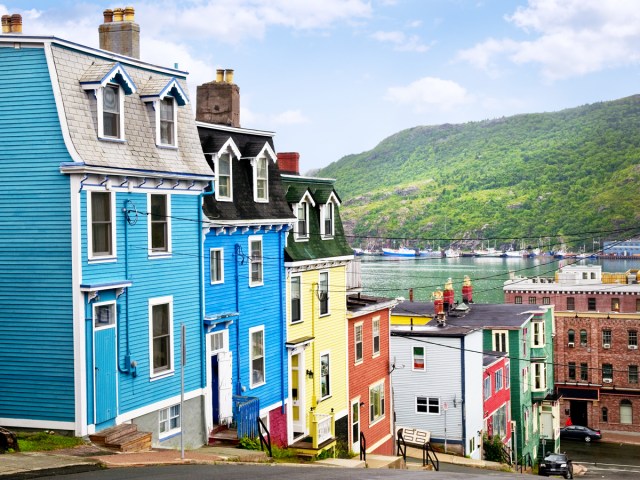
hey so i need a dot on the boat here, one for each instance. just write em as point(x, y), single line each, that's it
point(399, 252)
point(515, 253)
point(358, 251)
point(451, 253)
point(430, 253)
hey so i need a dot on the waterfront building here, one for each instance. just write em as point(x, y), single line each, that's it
point(597, 316)
point(101, 181)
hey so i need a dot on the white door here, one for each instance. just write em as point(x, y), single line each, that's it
point(355, 425)
point(224, 388)
point(297, 395)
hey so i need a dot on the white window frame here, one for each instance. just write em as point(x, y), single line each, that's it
point(169, 415)
point(255, 261)
point(114, 248)
point(497, 347)
point(218, 158)
point(486, 387)
point(114, 314)
point(498, 379)
point(507, 375)
point(379, 387)
point(153, 302)
point(428, 405)
point(100, 112)
point(539, 376)
point(151, 251)
point(299, 281)
point(328, 312)
point(525, 378)
point(413, 358)
point(252, 331)
point(297, 236)
point(157, 105)
point(328, 355)
point(222, 336)
point(537, 338)
point(256, 197)
point(212, 252)
point(375, 334)
point(358, 328)
point(329, 206)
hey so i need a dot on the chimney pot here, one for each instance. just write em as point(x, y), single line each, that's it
point(16, 23)
point(220, 75)
point(229, 75)
point(289, 162)
point(118, 14)
point(129, 14)
point(108, 15)
point(6, 24)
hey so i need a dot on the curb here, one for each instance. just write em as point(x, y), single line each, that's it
point(49, 472)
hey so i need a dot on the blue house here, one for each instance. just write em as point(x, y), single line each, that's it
point(248, 219)
point(101, 185)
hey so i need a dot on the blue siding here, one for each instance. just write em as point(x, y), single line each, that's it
point(177, 276)
point(259, 305)
point(36, 340)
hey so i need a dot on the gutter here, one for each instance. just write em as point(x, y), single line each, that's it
point(463, 402)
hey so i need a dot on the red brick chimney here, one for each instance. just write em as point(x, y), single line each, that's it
point(289, 162)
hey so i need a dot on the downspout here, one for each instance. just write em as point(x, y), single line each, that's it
point(283, 320)
point(238, 381)
point(463, 401)
point(203, 347)
point(127, 356)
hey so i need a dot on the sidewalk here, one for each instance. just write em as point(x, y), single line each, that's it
point(631, 438)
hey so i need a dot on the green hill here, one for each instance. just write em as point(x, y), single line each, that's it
point(542, 174)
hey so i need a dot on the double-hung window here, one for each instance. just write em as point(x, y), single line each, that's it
point(376, 336)
point(166, 120)
point(325, 379)
point(539, 376)
point(632, 336)
point(500, 338)
point(102, 226)
point(302, 222)
point(571, 303)
point(538, 334)
point(159, 224)
point(430, 405)
point(498, 379)
point(169, 421)
point(606, 338)
point(256, 339)
point(216, 265)
point(487, 387)
point(376, 402)
point(223, 183)
point(296, 300)
point(357, 339)
point(607, 372)
point(255, 261)
point(633, 374)
point(327, 220)
point(572, 370)
point(323, 293)
point(584, 372)
point(112, 105)
point(261, 185)
point(161, 333)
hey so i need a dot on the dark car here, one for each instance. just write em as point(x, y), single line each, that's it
point(577, 432)
point(556, 464)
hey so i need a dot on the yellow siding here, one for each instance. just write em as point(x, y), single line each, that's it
point(406, 320)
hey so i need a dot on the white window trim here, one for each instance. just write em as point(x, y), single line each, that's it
point(537, 338)
point(323, 213)
point(384, 403)
point(111, 303)
point(328, 296)
point(172, 431)
point(100, 112)
point(219, 197)
point(506, 339)
point(427, 397)
point(255, 180)
point(114, 246)
point(299, 277)
point(156, 107)
point(525, 379)
point(507, 376)
point(486, 392)
point(499, 373)
point(359, 325)
point(322, 354)
point(297, 236)
point(253, 330)
point(375, 320)
point(152, 253)
point(221, 250)
point(252, 239)
point(424, 359)
point(224, 334)
point(539, 369)
point(165, 373)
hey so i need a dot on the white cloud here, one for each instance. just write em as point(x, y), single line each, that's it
point(568, 37)
point(428, 93)
point(415, 24)
point(290, 117)
point(401, 41)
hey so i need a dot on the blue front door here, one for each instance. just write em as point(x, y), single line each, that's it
point(105, 376)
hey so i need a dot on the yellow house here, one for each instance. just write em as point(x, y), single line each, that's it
point(316, 256)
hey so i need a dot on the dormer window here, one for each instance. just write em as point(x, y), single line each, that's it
point(261, 187)
point(327, 217)
point(111, 108)
point(167, 122)
point(223, 177)
point(302, 224)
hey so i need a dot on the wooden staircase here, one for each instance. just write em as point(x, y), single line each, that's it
point(223, 435)
point(123, 438)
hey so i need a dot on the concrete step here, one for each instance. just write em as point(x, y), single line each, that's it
point(225, 436)
point(385, 461)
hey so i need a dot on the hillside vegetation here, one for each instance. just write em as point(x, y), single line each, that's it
point(542, 174)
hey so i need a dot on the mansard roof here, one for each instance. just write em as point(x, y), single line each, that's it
point(158, 88)
point(246, 144)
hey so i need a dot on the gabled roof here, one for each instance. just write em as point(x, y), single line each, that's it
point(158, 88)
point(99, 74)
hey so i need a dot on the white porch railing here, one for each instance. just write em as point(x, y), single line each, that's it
point(324, 427)
point(354, 275)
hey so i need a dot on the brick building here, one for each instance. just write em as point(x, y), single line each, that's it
point(597, 318)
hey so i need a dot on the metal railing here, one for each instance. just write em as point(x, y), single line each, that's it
point(401, 446)
point(505, 455)
point(264, 441)
point(525, 462)
point(363, 448)
point(428, 453)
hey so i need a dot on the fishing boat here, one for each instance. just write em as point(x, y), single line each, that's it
point(399, 252)
point(428, 253)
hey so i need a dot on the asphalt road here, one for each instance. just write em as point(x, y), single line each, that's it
point(605, 460)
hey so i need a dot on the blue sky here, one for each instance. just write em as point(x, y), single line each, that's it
point(335, 77)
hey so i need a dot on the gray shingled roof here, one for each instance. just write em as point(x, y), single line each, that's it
point(96, 72)
point(139, 152)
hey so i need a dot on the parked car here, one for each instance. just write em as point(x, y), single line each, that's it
point(556, 464)
point(577, 432)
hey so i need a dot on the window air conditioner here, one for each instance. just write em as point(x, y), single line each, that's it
point(606, 346)
point(633, 347)
point(571, 344)
point(606, 380)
